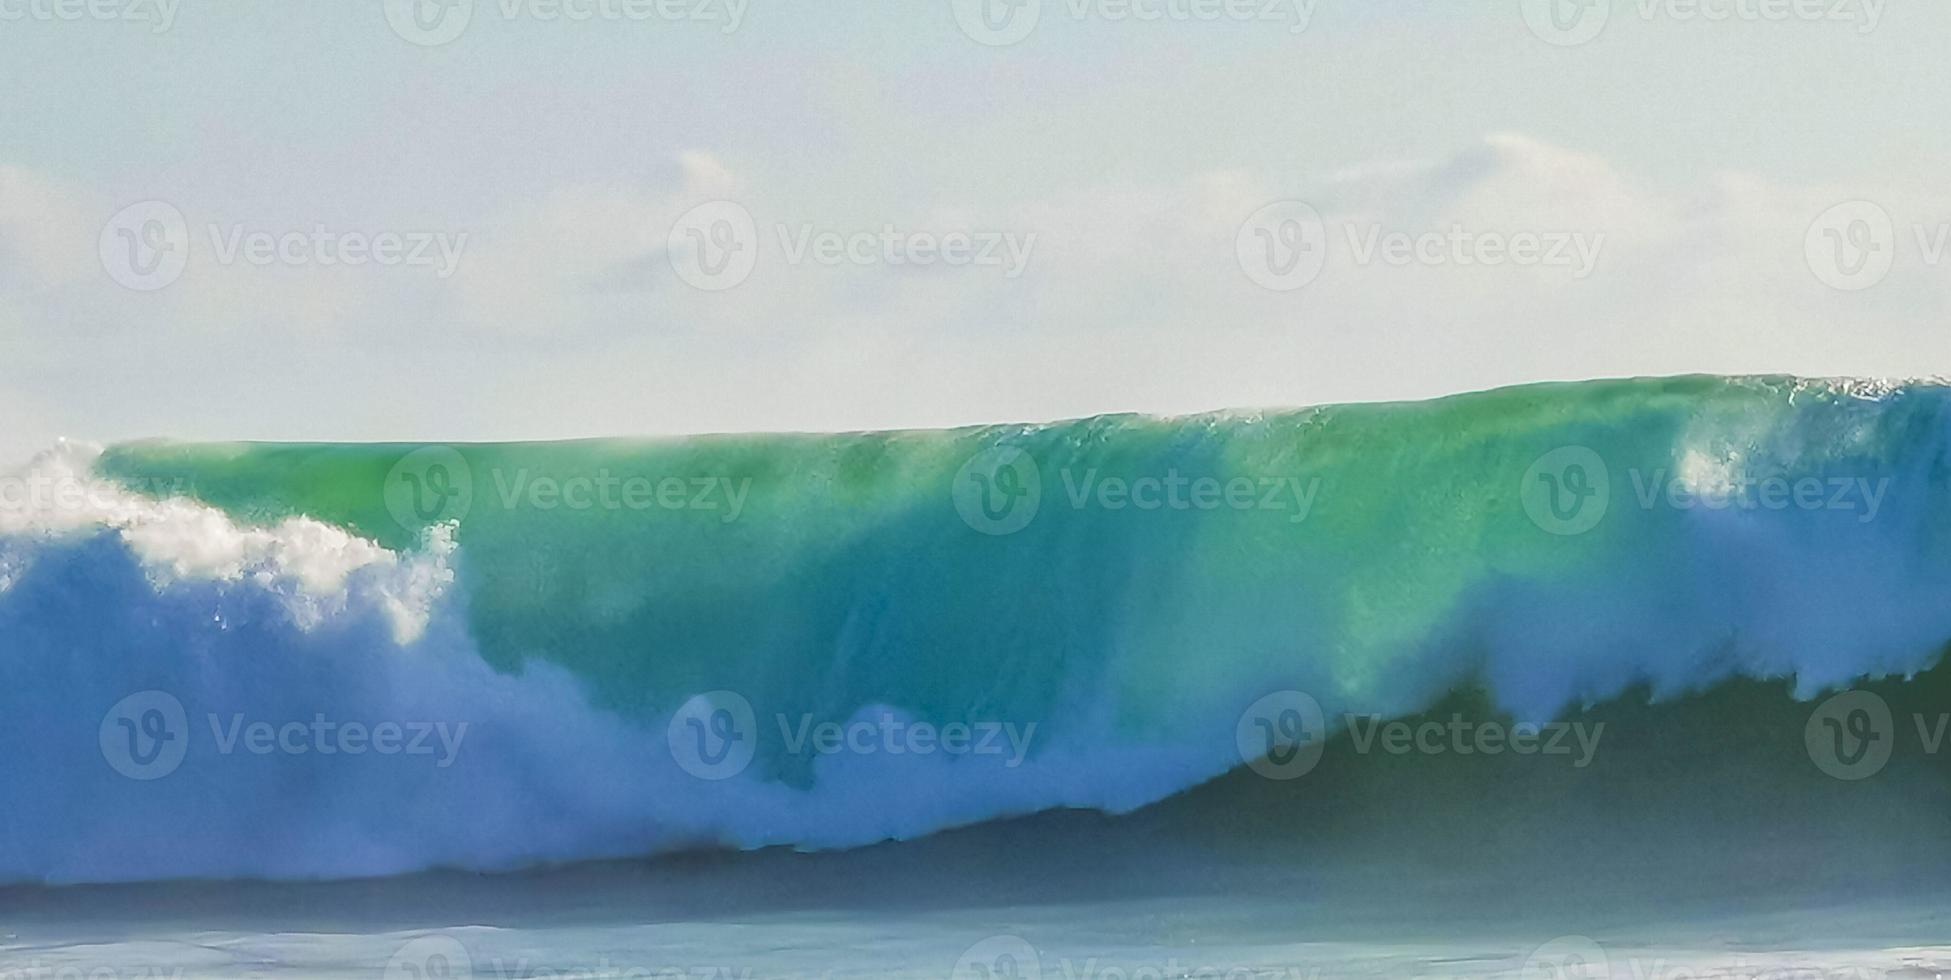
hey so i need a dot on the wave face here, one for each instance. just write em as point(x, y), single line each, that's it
point(299, 661)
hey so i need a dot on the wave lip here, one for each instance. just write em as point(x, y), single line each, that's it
point(379, 659)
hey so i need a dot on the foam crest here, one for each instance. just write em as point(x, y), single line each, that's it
point(316, 566)
point(640, 672)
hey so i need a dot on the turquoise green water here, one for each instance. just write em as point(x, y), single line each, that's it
point(1141, 605)
point(847, 559)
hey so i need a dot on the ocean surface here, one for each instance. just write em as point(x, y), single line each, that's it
point(1609, 679)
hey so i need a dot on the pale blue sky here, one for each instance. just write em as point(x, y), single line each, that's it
point(1699, 150)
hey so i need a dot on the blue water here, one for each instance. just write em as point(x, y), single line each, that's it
point(1644, 673)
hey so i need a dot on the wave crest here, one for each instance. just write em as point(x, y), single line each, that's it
point(607, 660)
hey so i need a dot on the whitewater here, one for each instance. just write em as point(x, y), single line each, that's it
point(338, 661)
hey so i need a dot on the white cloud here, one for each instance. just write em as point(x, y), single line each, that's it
point(566, 318)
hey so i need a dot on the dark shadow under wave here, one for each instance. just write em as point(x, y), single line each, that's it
point(1708, 805)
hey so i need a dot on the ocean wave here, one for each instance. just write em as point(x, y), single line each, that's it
point(319, 661)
